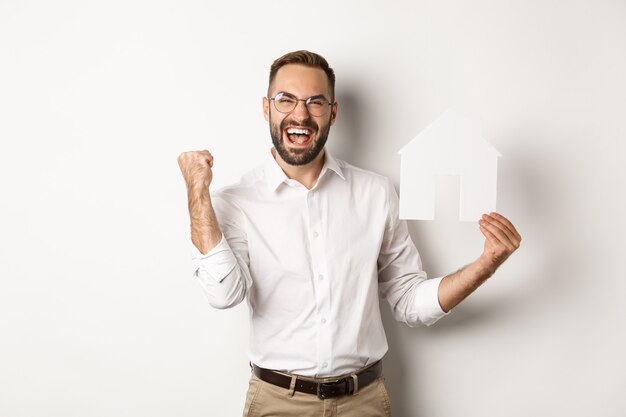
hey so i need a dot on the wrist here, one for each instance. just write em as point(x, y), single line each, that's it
point(485, 267)
point(199, 204)
point(197, 191)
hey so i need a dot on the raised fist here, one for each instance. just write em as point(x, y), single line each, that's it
point(196, 168)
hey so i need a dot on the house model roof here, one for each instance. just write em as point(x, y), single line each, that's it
point(451, 135)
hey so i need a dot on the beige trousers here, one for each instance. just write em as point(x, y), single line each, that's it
point(268, 400)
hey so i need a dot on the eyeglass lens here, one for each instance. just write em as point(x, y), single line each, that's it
point(285, 103)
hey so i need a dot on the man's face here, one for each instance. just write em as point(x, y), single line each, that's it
point(302, 82)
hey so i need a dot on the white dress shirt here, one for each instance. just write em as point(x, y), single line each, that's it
point(312, 263)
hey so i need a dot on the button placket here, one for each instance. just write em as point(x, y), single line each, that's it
point(322, 289)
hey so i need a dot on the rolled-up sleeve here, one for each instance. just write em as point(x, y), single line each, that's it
point(412, 296)
point(223, 272)
point(217, 263)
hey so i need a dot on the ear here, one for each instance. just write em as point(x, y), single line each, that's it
point(333, 112)
point(266, 109)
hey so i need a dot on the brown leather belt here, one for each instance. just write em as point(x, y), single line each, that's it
point(348, 385)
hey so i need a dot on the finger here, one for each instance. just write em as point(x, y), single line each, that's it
point(494, 221)
point(499, 234)
point(489, 236)
point(203, 156)
point(207, 156)
point(182, 159)
point(487, 233)
point(507, 222)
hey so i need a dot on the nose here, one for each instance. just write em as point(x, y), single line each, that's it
point(301, 111)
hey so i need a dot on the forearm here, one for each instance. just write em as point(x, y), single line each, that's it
point(502, 239)
point(455, 287)
point(205, 230)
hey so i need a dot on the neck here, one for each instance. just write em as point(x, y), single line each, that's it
point(306, 175)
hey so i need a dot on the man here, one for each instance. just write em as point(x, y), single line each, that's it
point(311, 242)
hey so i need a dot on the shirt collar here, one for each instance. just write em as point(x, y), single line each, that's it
point(276, 176)
point(331, 163)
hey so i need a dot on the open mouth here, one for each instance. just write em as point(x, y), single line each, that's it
point(299, 136)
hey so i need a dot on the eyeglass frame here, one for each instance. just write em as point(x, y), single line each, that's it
point(306, 102)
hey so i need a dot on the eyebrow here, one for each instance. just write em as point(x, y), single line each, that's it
point(308, 98)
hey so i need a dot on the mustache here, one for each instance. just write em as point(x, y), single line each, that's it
point(304, 123)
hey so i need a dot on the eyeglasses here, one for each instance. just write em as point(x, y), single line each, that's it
point(286, 103)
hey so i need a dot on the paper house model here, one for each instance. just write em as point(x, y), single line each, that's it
point(451, 145)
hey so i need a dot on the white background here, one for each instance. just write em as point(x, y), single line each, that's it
point(99, 312)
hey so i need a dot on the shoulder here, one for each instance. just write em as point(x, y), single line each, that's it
point(243, 189)
point(361, 177)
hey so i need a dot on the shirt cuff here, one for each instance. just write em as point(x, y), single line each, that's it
point(428, 301)
point(218, 262)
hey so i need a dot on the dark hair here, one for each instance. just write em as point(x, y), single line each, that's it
point(307, 58)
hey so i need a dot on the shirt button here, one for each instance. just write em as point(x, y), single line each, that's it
point(324, 365)
point(315, 234)
point(323, 321)
point(320, 277)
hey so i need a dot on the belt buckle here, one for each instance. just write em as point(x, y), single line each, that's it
point(322, 396)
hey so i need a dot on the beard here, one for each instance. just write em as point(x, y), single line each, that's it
point(298, 156)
